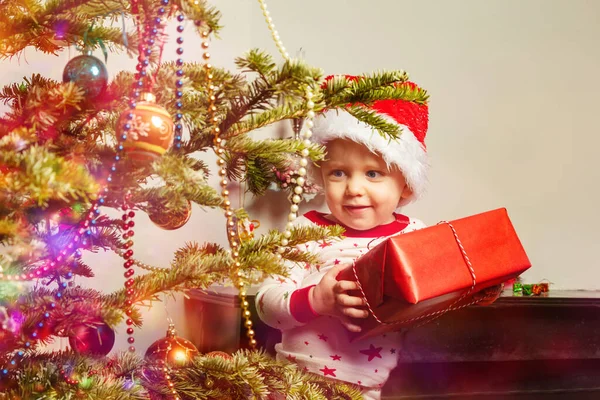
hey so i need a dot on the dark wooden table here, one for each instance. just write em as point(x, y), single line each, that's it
point(517, 348)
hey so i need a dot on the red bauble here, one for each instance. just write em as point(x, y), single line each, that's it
point(151, 130)
point(172, 349)
point(95, 340)
point(170, 220)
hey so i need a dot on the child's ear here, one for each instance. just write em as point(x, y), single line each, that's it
point(406, 192)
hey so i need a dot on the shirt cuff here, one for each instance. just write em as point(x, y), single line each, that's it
point(300, 306)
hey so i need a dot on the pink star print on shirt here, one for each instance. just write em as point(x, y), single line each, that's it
point(328, 371)
point(372, 352)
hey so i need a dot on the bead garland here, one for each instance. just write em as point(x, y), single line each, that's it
point(127, 229)
point(167, 375)
point(298, 189)
point(231, 224)
point(178, 81)
point(274, 32)
point(143, 81)
point(138, 263)
point(178, 137)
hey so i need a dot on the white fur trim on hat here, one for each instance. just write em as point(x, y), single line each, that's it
point(406, 152)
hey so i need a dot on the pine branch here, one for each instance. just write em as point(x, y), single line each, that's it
point(51, 26)
point(259, 120)
point(376, 121)
point(256, 61)
point(255, 161)
point(198, 269)
point(264, 92)
point(41, 176)
point(340, 91)
point(299, 235)
point(247, 374)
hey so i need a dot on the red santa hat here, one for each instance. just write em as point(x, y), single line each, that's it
point(407, 152)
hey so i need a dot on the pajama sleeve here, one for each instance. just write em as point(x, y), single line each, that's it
point(274, 297)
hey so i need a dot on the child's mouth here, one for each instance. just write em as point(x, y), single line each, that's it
point(356, 209)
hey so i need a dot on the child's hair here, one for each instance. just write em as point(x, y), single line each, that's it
point(408, 153)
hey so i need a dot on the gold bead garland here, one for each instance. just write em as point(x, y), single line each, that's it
point(170, 383)
point(232, 237)
point(138, 263)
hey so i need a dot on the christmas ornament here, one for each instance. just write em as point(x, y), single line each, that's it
point(173, 220)
point(92, 340)
point(221, 354)
point(147, 130)
point(246, 228)
point(172, 349)
point(528, 289)
point(291, 177)
point(71, 215)
point(297, 127)
point(87, 72)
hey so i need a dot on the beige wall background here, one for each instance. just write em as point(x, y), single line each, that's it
point(514, 102)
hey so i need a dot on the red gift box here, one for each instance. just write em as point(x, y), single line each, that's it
point(414, 277)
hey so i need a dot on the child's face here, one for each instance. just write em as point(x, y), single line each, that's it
point(360, 190)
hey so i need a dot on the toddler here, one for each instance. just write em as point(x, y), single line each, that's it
point(365, 178)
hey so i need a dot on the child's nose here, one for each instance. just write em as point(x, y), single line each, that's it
point(354, 187)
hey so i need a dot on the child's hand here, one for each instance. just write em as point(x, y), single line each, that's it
point(330, 297)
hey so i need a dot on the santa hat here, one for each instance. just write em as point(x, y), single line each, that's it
point(407, 152)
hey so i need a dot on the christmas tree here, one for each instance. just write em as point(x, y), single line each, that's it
point(72, 153)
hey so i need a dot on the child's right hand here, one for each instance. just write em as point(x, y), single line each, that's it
point(330, 297)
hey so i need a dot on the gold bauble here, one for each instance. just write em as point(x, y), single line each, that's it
point(170, 220)
point(151, 129)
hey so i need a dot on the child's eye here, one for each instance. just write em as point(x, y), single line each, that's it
point(373, 174)
point(337, 173)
